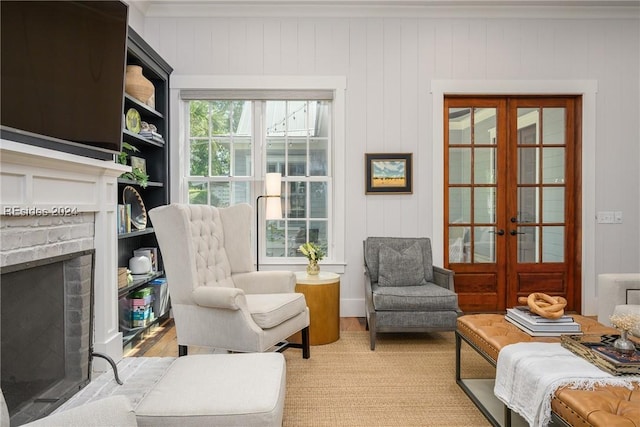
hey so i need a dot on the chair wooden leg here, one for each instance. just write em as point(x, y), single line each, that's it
point(182, 350)
point(372, 332)
point(306, 352)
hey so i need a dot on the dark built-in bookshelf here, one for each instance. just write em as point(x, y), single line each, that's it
point(155, 153)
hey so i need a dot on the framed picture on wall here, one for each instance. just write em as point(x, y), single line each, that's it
point(388, 173)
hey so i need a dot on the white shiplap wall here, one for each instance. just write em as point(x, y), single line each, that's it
point(390, 64)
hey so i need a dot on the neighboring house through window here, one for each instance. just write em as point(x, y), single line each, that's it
point(234, 138)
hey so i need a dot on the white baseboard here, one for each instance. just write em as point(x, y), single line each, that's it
point(352, 307)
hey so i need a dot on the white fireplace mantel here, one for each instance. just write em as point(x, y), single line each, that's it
point(37, 182)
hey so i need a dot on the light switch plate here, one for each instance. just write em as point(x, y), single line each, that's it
point(605, 217)
point(617, 217)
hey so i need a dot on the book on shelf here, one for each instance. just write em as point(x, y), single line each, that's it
point(526, 312)
point(124, 219)
point(542, 326)
point(553, 333)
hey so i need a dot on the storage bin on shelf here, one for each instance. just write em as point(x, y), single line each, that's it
point(136, 309)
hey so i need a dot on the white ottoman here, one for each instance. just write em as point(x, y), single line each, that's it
point(218, 390)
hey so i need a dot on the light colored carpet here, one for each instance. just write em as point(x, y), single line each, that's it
point(409, 380)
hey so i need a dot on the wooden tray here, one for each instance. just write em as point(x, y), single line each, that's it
point(597, 349)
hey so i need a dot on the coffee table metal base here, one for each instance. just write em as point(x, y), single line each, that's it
point(480, 391)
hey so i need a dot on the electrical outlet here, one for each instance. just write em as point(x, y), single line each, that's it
point(617, 217)
point(605, 217)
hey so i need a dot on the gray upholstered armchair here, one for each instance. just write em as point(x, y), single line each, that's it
point(404, 292)
point(218, 299)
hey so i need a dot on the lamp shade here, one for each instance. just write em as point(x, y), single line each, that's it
point(272, 184)
point(273, 209)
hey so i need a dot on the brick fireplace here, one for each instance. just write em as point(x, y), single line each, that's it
point(54, 203)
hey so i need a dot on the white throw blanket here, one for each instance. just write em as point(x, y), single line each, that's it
point(527, 375)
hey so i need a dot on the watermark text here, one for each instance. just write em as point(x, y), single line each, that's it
point(35, 211)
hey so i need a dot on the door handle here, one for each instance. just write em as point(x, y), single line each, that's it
point(514, 232)
point(514, 219)
point(499, 232)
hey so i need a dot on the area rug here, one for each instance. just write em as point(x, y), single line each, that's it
point(409, 380)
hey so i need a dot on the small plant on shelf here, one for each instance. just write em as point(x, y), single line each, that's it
point(136, 174)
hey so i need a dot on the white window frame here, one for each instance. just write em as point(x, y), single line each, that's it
point(179, 153)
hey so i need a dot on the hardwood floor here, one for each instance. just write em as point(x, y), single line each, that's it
point(161, 340)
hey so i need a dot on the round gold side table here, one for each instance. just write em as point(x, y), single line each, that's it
point(322, 293)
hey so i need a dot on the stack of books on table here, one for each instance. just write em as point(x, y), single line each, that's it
point(538, 326)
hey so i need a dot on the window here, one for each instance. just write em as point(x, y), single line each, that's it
point(233, 143)
point(298, 146)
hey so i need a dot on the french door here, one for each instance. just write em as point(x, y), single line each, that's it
point(512, 199)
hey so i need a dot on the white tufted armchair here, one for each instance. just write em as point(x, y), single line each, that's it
point(217, 297)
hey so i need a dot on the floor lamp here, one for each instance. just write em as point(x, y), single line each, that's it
point(273, 208)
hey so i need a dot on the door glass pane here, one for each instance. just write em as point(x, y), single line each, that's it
point(553, 125)
point(484, 245)
point(484, 166)
point(528, 244)
point(484, 205)
point(460, 166)
point(553, 165)
point(553, 204)
point(552, 244)
point(528, 125)
point(459, 126)
point(527, 205)
point(527, 165)
point(460, 205)
point(484, 126)
point(459, 244)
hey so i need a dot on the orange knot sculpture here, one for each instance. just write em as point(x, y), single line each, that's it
point(545, 305)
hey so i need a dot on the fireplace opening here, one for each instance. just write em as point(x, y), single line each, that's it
point(46, 324)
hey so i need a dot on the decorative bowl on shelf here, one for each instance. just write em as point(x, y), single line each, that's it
point(130, 196)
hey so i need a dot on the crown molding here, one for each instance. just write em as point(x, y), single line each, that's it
point(549, 9)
